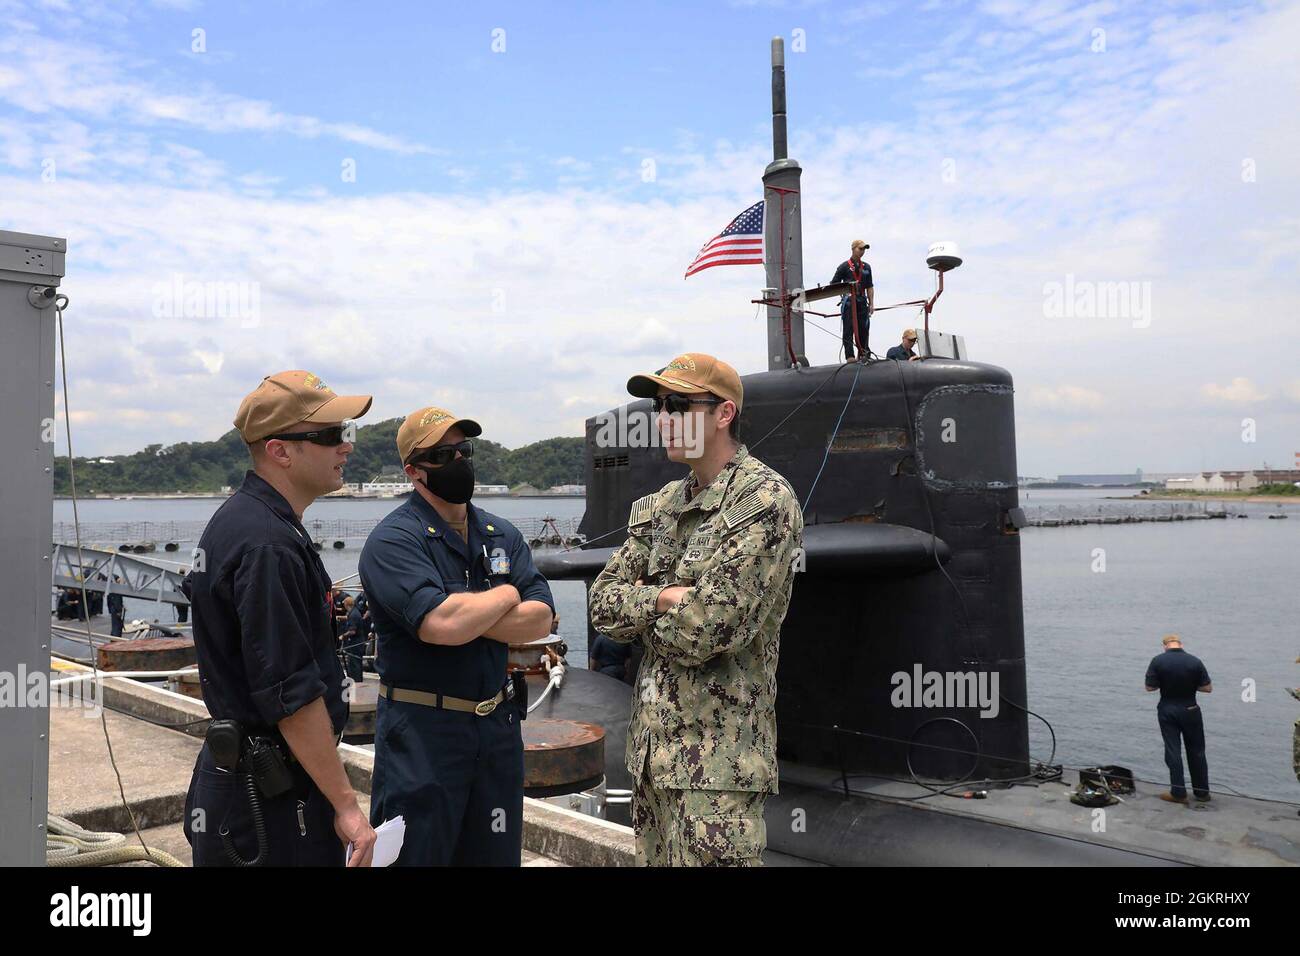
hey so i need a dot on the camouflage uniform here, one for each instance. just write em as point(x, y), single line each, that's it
point(701, 742)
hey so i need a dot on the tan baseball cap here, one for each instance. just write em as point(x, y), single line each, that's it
point(692, 373)
point(425, 427)
point(287, 398)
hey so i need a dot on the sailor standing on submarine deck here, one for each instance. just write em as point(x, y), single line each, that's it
point(703, 581)
point(450, 587)
point(859, 304)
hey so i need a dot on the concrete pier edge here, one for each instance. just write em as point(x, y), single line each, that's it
point(557, 833)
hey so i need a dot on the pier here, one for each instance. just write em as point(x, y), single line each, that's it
point(1137, 512)
point(156, 736)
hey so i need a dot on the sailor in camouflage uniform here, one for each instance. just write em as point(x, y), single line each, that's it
point(703, 582)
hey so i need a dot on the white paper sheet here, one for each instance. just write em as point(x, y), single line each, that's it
point(389, 836)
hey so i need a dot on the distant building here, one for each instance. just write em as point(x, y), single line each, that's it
point(1277, 476)
point(567, 490)
point(386, 486)
point(526, 490)
point(1233, 480)
point(491, 489)
point(1226, 481)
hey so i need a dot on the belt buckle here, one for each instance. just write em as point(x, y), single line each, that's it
point(485, 707)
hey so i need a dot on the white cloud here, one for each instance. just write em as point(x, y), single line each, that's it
point(1240, 391)
point(530, 308)
point(48, 77)
point(1066, 398)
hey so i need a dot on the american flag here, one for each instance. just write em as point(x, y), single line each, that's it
point(740, 244)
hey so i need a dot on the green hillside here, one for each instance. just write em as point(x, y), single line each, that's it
point(194, 467)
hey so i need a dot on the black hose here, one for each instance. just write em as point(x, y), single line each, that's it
point(259, 828)
point(1050, 729)
point(977, 753)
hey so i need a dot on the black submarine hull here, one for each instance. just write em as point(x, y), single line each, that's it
point(907, 475)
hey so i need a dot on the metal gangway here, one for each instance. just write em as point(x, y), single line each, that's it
point(146, 579)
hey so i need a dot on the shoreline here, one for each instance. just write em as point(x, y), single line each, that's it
point(1211, 496)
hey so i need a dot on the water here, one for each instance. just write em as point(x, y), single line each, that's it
point(570, 596)
point(1228, 587)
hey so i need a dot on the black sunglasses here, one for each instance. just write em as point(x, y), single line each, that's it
point(676, 404)
point(441, 455)
point(329, 437)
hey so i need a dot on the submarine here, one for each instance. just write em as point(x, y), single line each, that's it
point(911, 556)
point(902, 707)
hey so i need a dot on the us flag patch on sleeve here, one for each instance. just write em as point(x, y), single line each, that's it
point(743, 509)
point(642, 511)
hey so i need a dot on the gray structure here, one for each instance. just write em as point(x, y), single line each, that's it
point(1101, 481)
point(782, 234)
point(30, 269)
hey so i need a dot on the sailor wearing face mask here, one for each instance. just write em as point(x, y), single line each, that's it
point(450, 587)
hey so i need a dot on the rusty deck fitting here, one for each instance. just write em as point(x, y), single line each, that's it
point(147, 654)
point(562, 756)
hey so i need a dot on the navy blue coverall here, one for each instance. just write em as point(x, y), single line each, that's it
point(117, 613)
point(265, 639)
point(456, 778)
point(356, 634)
point(1178, 675)
point(860, 276)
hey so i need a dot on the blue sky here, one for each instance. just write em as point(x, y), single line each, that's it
point(426, 218)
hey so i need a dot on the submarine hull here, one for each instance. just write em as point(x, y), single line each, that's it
point(904, 642)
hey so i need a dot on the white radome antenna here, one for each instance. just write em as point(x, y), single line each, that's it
point(943, 256)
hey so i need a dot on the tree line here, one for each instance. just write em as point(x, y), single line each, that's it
point(204, 467)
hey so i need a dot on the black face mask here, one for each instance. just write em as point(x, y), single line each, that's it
point(452, 482)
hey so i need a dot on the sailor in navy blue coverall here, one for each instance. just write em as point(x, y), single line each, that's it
point(449, 587)
point(860, 303)
point(265, 640)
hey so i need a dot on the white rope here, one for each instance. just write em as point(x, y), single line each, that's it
point(68, 844)
point(556, 674)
